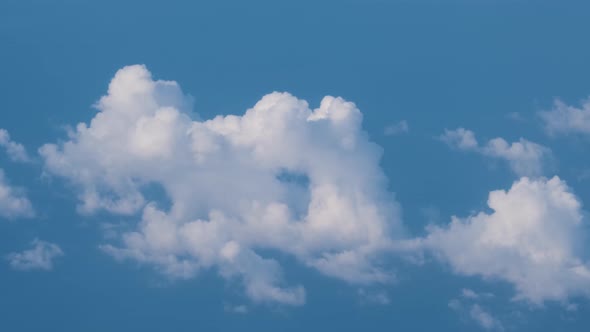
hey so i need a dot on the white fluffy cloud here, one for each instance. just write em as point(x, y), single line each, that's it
point(280, 178)
point(524, 157)
point(16, 151)
point(534, 238)
point(565, 119)
point(13, 201)
point(39, 257)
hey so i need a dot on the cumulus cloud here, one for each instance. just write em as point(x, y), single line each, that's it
point(534, 238)
point(397, 128)
point(16, 151)
point(281, 177)
point(13, 201)
point(39, 257)
point(566, 119)
point(524, 157)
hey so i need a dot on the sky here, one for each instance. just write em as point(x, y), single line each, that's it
point(412, 165)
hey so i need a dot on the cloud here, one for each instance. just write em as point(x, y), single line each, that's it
point(484, 318)
point(373, 297)
point(460, 138)
point(39, 257)
point(565, 119)
point(467, 306)
point(534, 238)
point(396, 128)
point(236, 309)
point(470, 294)
point(524, 157)
point(16, 152)
point(280, 178)
point(13, 202)
point(515, 116)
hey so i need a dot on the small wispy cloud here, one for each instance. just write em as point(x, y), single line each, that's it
point(398, 128)
point(524, 157)
point(471, 294)
point(515, 116)
point(39, 257)
point(467, 307)
point(484, 318)
point(236, 309)
point(373, 297)
point(16, 151)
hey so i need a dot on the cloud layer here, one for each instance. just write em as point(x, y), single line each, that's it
point(280, 178)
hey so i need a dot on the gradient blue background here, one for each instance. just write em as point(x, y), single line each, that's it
point(435, 63)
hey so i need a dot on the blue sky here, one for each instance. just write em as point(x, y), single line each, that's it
point(445, 189)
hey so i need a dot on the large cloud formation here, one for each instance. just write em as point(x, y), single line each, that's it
point(281, 178)
point(534, 238)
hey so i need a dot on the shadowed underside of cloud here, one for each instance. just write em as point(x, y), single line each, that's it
point(282, 176)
